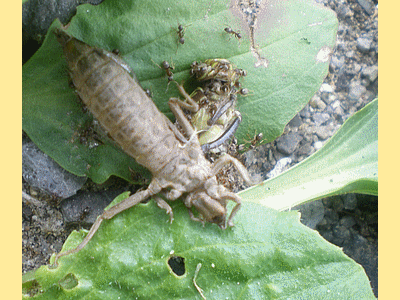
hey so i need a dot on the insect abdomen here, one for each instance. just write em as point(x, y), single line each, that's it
point(120, 105)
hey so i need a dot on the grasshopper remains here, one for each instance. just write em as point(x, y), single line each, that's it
point(217, 119)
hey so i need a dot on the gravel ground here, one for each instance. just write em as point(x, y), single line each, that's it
point(349, 221)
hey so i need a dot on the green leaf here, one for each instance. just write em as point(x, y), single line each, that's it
point(348, 163)
point(295, 36)
point(267, 255)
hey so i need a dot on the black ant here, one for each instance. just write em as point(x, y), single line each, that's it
point(167, 67)
point(181, 33)
point(257, 139)
point(231, 31)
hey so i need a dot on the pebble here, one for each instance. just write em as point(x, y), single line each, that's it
point(288, 143)
point(317, 103)
point(320, 118)
point(356, 91)
point(340, 234)
point(83, 208)
point(312, 213)
point(326, 88)
point(370, 72)
point(318, 145)
point(349, 201)
point(364, 44)
point(347, 221)
point(42, 172)
point(331, 216)
point(344, 11)
point(323, 132)
point(281, 165)
point(367, 5)
point(337, 62)
point(296, 121)
point(305, 149)
point(350, 53)
point(305, 112)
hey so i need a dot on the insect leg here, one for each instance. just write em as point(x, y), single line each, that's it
point(161, 203)
point(176, 106)
point(108, 214)
point(226, 159)
point(224, 137)
point(193, 218)
point(223, 109)
point(235, 198)
point(177, 133)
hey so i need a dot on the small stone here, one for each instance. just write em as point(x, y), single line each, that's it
point(367, 5)
point(341, 234)
point(312, 213)
point(364, 44)
point(281, 165)
point(356, 91)
point(325, 87)
point(296, 121)
point(347, 221)
point(337, 203)
point(288, 143)
point(318, 145)
point(27, 212)
point(320, 118)
point(371, 72)
point(331, 216)
point(349, 201)
point(344, 11)
point(317, 103)
point(305, 112)
point(41, 172)
point(305, 149)
point(322, 132)
point(350, 53)
point(337, 63)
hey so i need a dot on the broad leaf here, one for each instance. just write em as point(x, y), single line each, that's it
point(348, 163)
point(294, 36)
point(267, 255)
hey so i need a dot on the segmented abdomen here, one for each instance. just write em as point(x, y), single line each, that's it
point(120, 105)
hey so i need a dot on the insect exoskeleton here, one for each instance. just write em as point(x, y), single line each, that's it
point(175, 159)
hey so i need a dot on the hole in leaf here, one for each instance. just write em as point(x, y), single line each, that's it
point(68, 282)
point(177, 265)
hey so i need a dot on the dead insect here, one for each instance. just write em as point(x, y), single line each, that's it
point(175, 160)
point(217, 69)
point(217, 119)
point(231, 31)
